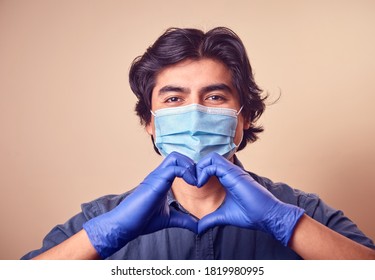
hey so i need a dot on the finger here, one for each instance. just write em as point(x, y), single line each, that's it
point(161, 179)
point(188, 174)
point(204, 175)
point(179, 160)
point(210, 159)
point(211, 165)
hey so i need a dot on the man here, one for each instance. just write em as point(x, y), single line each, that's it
point(199, 102)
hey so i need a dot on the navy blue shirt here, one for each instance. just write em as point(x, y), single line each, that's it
point(221, 242)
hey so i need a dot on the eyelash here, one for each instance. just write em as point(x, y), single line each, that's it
point(213, 98)
point(216, 97)
point(169, 99)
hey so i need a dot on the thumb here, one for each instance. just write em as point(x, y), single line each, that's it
point(211, 220)
point(182, 220)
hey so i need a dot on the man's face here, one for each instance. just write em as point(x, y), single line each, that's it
point(206, 82)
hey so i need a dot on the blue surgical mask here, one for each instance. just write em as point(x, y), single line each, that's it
point(196, 130)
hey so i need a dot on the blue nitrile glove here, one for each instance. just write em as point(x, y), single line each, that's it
point(146, 210)
point(247, 204)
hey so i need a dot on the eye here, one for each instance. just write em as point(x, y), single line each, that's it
point(216, 99)
point(173, 99)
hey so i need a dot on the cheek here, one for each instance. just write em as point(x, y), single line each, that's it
point(238, 136)
point(241, 126)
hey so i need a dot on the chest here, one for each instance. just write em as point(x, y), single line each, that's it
point(219, 243)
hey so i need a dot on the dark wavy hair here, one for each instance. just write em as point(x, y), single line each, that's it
point(178, 44)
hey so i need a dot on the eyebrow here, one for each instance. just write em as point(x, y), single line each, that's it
point(206, 89)
point(170, 88)
point(216, 87)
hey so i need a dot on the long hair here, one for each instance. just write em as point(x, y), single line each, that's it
point(178, 44)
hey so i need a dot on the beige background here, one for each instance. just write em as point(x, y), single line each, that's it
point(68, 133)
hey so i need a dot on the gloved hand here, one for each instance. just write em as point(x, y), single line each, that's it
point(247, 204)
point(146, 210)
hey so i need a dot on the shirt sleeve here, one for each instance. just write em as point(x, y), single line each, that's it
point(63, 231)
point(317, 209)
point(335, 220)
point(59, 234)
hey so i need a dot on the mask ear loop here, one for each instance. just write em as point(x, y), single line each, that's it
point(152, 113)
point(239, 111)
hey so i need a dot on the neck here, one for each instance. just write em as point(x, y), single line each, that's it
point(199, 201)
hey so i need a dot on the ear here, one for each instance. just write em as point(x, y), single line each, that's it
point(150, 128)
point(246, 124)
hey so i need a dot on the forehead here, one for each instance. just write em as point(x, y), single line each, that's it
point(194, 73)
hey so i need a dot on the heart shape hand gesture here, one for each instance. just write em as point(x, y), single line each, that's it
point(247, 203)
point(146, 210)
